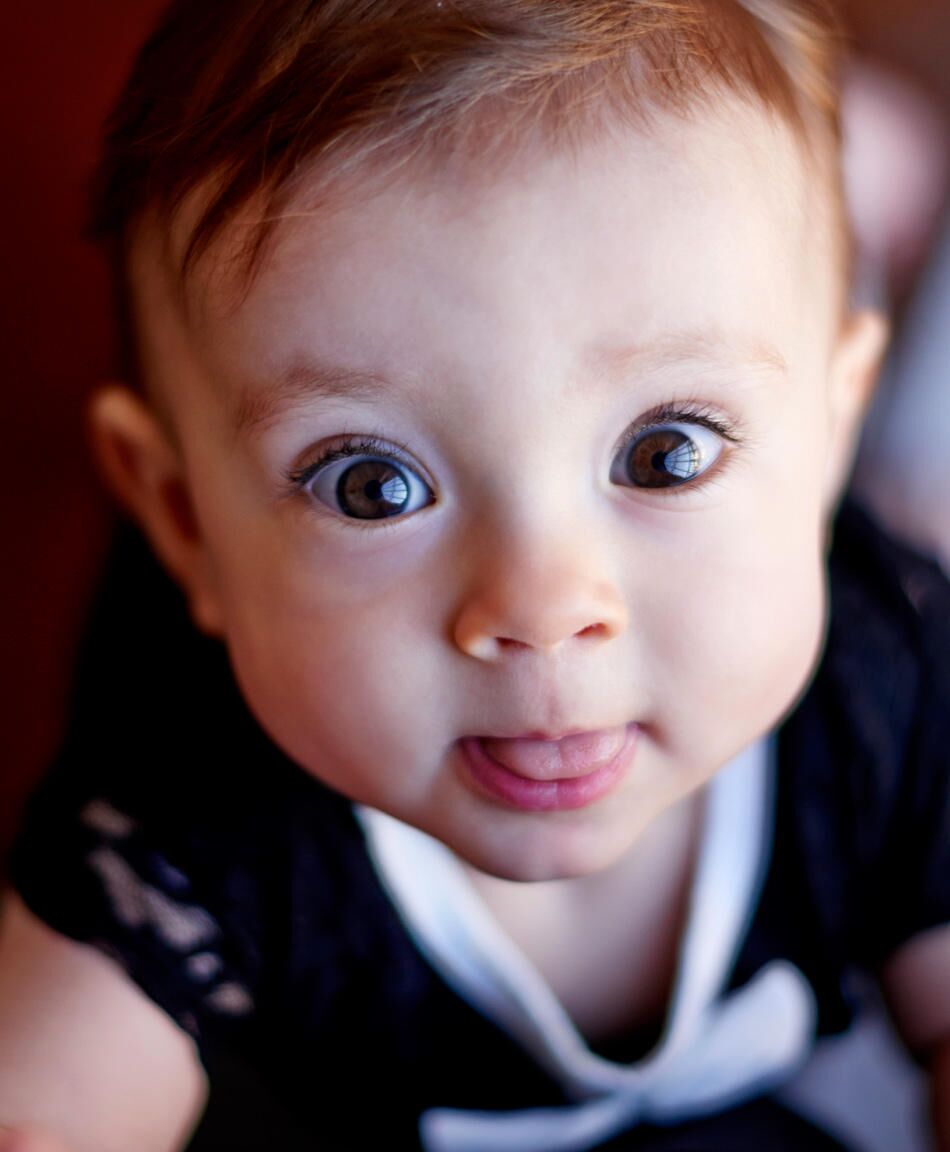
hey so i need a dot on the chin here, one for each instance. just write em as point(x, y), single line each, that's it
point(563, 855)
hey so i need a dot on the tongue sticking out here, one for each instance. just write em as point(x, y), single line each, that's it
point(556, 759)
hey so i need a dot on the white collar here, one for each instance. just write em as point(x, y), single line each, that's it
point(714, 1049)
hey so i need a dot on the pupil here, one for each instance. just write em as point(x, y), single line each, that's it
point(372, 490)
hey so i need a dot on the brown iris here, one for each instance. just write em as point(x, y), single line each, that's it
point(372, 490)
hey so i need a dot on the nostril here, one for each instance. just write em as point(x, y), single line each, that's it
point(593, 630)
point(507, 642)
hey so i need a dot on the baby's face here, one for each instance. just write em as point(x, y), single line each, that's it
point(534, 453)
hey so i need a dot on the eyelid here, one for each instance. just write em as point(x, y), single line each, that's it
point(349, 445)
point(684, 412)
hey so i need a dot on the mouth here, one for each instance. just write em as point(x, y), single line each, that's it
point(536, 774)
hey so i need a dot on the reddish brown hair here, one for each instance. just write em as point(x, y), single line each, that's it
point(247, 98)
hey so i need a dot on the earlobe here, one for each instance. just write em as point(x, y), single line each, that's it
point(857, 361)
point(145, 472)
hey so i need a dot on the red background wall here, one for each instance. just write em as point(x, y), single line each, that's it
point(61, 64)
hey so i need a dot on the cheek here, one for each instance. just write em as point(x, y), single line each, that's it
point(742, 633)
point(337, 685)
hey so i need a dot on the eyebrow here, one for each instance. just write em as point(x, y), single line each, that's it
point(688, 346)
point(306, 380)
point(302, 382)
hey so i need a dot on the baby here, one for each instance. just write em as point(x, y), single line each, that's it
point(511, 786)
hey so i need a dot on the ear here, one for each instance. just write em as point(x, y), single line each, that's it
point(854, 371)
point(145, 472)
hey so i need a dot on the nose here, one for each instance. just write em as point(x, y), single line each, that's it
point(526, 603)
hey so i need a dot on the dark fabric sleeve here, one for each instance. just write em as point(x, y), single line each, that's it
point(860, 858)
point(913, 881)
point(872, 748)
point(146, 838)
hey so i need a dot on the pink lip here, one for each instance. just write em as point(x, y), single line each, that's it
point(588, 781)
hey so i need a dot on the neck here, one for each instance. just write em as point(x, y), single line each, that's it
point(607, 944)
point(665, 850)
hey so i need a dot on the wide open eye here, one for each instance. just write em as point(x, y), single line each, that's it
point(366, 487)
point(666, 455)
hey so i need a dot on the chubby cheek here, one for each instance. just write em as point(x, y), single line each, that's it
point(740, 647)
point(347, 691)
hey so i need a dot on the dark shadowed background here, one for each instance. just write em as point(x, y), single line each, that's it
point(61, 63)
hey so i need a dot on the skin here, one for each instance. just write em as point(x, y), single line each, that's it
point(87, 1061)
point(16, 1141)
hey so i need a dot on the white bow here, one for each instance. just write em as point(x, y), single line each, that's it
point(749, 1041)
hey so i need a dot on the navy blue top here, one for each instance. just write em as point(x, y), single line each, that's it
point(237, 892)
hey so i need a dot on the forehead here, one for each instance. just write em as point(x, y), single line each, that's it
point(664, 231)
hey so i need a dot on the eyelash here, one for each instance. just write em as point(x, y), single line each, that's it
point(682, 412)
point(352, 446)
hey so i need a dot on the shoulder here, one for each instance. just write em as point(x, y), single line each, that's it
point(884, 681)
point(885, 671)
